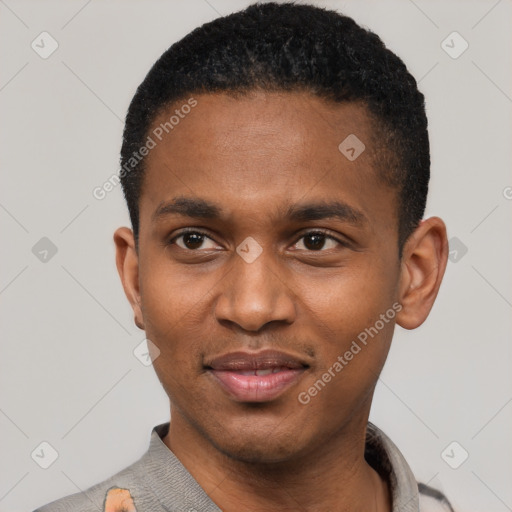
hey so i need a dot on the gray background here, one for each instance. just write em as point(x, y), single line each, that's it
point(68, 374)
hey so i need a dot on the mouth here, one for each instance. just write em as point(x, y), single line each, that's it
point(256, 377)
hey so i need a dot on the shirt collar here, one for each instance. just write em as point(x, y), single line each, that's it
point(385, 457)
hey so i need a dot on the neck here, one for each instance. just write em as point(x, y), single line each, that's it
point(332, 475)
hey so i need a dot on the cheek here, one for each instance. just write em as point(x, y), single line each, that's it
point(351, 299)
point(171, 293)
point(348, 369)
point(172, 304)
point(354, 321)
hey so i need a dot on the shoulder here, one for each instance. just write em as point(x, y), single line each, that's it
point(117, 488)
point(432, 500)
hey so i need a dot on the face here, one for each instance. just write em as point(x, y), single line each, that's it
point(266, 256)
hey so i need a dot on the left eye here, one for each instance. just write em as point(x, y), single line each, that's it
point(316, 241)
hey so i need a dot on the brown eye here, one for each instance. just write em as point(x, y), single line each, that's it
point(317, 240)
point(192, 240)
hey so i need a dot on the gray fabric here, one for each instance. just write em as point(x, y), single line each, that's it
point(383, 455)
point(158, 482)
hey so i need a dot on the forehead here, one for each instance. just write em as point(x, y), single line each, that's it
point(263, 149)
point(288, 121)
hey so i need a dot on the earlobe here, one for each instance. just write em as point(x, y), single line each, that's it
point(127, 262)
point(424, 261)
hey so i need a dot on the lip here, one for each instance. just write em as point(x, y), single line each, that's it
point(256, 377)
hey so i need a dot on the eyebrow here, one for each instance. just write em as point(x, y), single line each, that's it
point(201, 209)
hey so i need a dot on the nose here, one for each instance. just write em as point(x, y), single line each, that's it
point(255, 294)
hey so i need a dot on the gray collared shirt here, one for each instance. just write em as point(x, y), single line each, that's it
point(158, 482)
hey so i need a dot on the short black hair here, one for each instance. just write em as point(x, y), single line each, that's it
point(292, 47)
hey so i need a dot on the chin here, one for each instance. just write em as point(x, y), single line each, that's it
point(259, 445)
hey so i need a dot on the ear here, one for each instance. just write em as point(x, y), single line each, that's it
point(424, 259)
point(127, 261)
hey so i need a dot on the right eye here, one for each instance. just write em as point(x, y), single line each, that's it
point(191, 240)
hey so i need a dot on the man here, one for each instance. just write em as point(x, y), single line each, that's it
point(275, 164)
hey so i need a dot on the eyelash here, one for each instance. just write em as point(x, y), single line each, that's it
point(202, 233)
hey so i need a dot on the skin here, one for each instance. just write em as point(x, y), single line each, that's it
point(253, 157)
